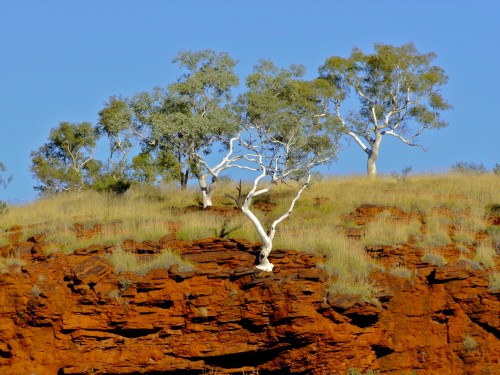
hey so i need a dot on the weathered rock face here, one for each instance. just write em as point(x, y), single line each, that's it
point(71, 314)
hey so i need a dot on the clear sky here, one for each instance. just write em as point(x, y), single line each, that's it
point(60, 60)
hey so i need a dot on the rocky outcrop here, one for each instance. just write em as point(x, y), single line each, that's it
point(72, 314)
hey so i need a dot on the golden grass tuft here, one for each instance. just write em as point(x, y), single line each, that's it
point(485, 255)
point(8, 262)
point(124, 261)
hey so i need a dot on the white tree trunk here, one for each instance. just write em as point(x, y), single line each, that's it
point(267, 238)
point(206, 190)
point(373, 155)
point(207, 199)
point(371, 165)
point(267, 242)
point(264, 263)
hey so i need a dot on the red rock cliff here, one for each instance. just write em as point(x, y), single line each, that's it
point(71, 314)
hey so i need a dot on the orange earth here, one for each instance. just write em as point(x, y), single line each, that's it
point(227, 317)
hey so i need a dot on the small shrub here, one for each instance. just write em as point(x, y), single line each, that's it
point(434, 259)
point(124, 284)
point(469, 343)
point(463, 249)
point(436, 231)
point(402, 272)
point(110, 184)
point(6, 263)
point(203, 311)
point(344, 258)
point(225, 230)
point(468, 167)
point(403, 176)
point(485, 255)
point(471, 264)
point(464, 237)
point(35, 290)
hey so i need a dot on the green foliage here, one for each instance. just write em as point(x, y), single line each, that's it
point(283, 114)
point(154, 165)
point(66, 161)
point(115, 121)
point(191, 115)
point(109, 183)
point(468, 167)
point(398, 89)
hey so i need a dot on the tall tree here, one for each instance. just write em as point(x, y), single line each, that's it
point(66, 161)
point(399, 95)
point(285, 138)
point(115, 121)
point(193, 116)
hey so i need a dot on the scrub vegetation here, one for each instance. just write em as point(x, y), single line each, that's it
point(437, 214)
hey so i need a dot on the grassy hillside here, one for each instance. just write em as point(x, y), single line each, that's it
point(442, 217)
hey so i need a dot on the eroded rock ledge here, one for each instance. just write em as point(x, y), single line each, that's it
point(71, 314)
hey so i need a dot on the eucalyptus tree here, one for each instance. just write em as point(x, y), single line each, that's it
point(192, 117)
point(399, 96)
point(207, 121)
point(285, 138)
point(66, 162)
point(115, 121)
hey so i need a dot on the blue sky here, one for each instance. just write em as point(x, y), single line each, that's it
point(61, 60)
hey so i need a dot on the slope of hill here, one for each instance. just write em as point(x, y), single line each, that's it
point(389, 275)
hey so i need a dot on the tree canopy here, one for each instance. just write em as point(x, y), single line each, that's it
point(66, 161)
point(285, 138)
point(399, 95)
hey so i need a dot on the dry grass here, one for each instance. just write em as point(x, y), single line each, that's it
point(494, 282)
point(124, 261)
point(6, 263)
point(143, 214)
point(434, 259)
point(389, 231)
point(402, 272)
point(485, 255)
point(351, 266)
